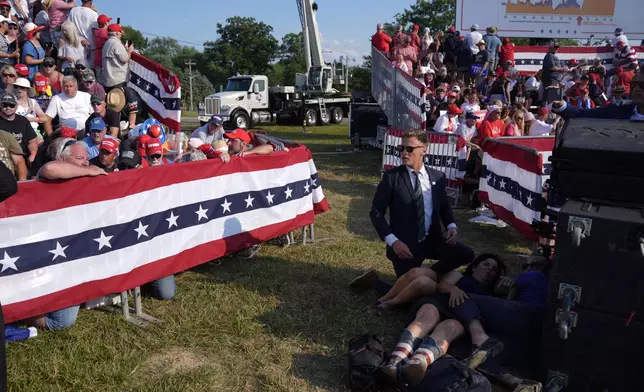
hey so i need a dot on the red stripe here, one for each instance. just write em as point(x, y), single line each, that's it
point(525, 159)
point(36, 197)
point(508, 217)
point(321, 207)
point(158, 69)
point(571, 49)
point(167, 121)
point(539, 143)
point(187, 259)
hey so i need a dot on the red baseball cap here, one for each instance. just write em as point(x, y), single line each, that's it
point(41, 83)
point(154, 146)
point(68, 132)
point(416, 27)
point(102, 19)
point(115, 28)
point(238, 134)
point(5, 4)
point(542, 111)
point(22, 70)
point(110, 145)
point(154, 131)
point(453, 109)
point(452, 94)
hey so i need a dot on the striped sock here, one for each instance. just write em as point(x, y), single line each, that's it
point(427, 353)
point(405, 347)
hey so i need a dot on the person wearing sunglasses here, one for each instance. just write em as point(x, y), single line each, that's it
point(54, 77)
point(154, 152)
point(6, 55)
point(107, 158)
point(18, 126)
point(9, 75)
point(90, 86)
point(109, 116)
point(419, 208)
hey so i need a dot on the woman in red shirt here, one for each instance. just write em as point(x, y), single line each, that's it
point(506, 51)
point(492, 127)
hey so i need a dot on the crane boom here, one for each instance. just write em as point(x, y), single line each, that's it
point(311, 32)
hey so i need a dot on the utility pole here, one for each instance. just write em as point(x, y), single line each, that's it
point(345, 70)
point(190, 63)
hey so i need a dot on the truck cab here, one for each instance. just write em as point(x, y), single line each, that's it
point(243, 102)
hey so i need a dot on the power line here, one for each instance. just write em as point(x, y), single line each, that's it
point(178, 40)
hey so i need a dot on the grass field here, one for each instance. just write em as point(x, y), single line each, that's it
point(277, 323)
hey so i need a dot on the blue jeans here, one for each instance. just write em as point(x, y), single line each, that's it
point(164, 288)
point(62, 319)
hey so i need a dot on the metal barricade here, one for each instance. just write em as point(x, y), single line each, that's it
point(447, 153)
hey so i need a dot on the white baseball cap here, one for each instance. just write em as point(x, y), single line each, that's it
point(475, 26)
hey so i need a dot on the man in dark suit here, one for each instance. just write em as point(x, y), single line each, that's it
point(417, 201)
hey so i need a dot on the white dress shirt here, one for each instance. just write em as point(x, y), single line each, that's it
point(426, 186)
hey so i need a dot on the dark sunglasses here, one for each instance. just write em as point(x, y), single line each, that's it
point(4, 75)
point(155, 156)
point(97, 103)
point(13, 27)
point(9, 105)
point(105, 152)
point(410, 149)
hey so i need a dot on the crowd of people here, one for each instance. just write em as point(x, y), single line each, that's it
point(466, 74)
point(66, 110)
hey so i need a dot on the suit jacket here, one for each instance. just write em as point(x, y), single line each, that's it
point(395, 192)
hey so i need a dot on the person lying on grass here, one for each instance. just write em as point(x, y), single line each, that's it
point(427, 338)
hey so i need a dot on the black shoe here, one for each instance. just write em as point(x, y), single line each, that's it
point(364, 281)
point(489, 349)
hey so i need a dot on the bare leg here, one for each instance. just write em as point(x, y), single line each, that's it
point(426, 319)
point(420, 286)
point(434, 346)
point(478, 333)
point(485, 347)
point(405, 280)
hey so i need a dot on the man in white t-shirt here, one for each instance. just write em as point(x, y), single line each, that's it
point(211, 131)
point(540, 127)
point(448, 122)
point(72, 107)
point(473, 38)
point(85, 19)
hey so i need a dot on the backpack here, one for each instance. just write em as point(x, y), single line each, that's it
point(450, 375)
point(366, 354)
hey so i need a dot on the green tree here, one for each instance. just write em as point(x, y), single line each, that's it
point(163, 51)
point(201, 87)
point(360, 77)
point(438, 15)
point(133, 35)
point(291, 58)
point(244, 45)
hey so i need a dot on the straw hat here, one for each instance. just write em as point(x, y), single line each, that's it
point(116, 99)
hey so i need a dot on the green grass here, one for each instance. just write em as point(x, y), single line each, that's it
point(277, 323)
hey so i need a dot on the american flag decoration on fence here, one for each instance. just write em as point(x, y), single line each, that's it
point(62, 244)
point(159, 88)
point(514, 172)
point(529, 59)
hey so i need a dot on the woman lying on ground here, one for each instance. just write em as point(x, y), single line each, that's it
point(416, 350)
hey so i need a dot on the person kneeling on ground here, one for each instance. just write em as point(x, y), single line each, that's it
point(415, 350)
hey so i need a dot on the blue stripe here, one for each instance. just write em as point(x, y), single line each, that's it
point(152, 89)
point(82, 245)
point(514, 189)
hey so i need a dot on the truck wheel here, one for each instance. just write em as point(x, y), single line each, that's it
point(311, 117)
point(240, 120)
point(324, 117)
point(337, 115)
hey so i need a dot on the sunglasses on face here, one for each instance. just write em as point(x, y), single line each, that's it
point(9, 105)
point(155, 157)
point(48, 65)
point(4, 75)
point(97, 103)
point(105, 152)
point(409, 149)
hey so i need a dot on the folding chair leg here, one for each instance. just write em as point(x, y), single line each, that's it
point(304, 235)
point(139, 318)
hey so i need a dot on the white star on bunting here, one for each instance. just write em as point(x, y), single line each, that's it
point(8, 262)
point(201, 213)
point(288, 192)
point(314, 182)
point(226, 205)
point(269, 197)
point(307, 188)
point(437, 161)
point(59, 251)
point(529, 200)
point(141, 231)
point(249, 201)
point(502, 184)
point(172, 220)
point(103, 241)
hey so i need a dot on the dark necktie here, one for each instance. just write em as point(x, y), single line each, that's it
point(420, 207)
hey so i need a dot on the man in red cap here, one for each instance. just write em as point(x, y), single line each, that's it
point(239, 144)
point(154, 152)
point(381, 40)
point(106, 158)
point(100, 36)
point(540, 126)
point(448, 122)
point(492, 126)
point(115, 58)
point(415, 39)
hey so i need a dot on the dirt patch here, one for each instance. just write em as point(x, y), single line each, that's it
point(176, 360)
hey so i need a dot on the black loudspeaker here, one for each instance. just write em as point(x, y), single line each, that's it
point(365, 119)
